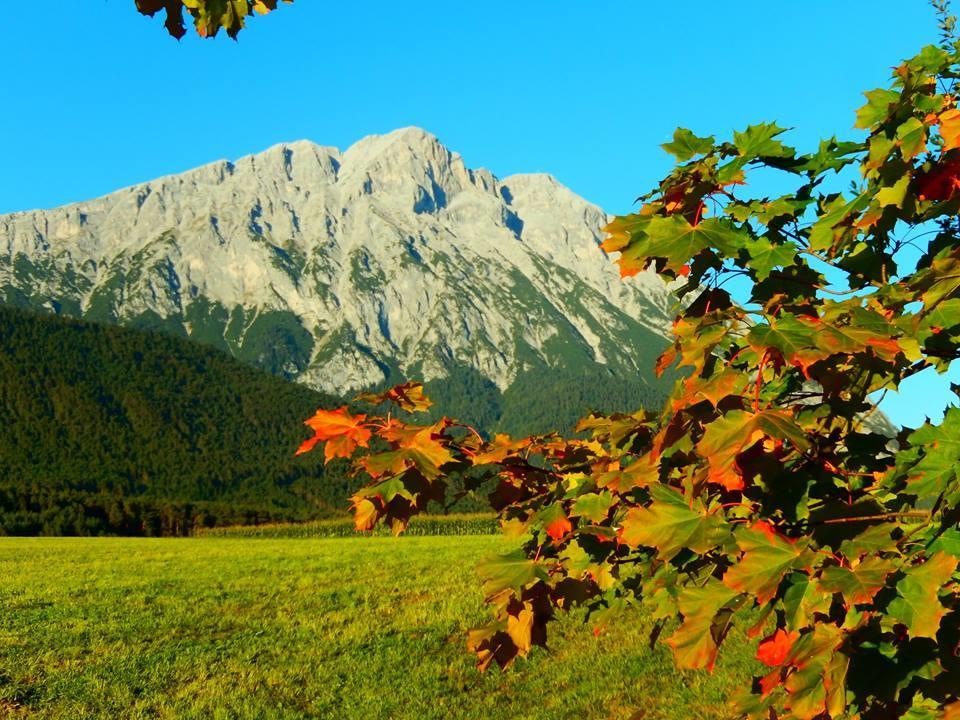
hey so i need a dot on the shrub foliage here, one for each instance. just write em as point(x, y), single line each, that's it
point(764, 493)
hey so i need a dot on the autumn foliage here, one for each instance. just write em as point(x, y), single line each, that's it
point(208, 16)
point(766, 493)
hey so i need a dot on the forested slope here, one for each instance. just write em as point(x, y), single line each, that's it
point(111, 430)
point(105, 429)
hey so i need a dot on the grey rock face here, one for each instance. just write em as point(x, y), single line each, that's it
point(341, 269)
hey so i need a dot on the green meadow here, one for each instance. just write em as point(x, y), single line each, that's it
point(306, 628)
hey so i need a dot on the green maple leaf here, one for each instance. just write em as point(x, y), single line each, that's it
point(872, 540)
point(763, 256)
point(830, 155)
point(877, 109)
point(939, 281)
point(802, 600)
point(387, 490)
point(671, 523)
point(844, 330)
point(947, 542)
point(834, 227)
point(512, 571)
point(209, 16)
point(785, 334)
point(894, 194)
point(818, 684)
point(593, 506)
point(707, 610)
point(758, 141)
point(677, 241)
point(918, 605)
point(912, 138)
point(936, 469)
point(860, 583)
point(767, 558)
point(685, 145)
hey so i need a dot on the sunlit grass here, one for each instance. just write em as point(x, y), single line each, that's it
point(303, 628)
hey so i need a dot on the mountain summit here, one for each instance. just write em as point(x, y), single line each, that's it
point(345, 270)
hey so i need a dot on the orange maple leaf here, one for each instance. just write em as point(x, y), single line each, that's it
point(342, 432)
point(408, 396)
point(773, 650)
point(949, 122)
point(558, 528)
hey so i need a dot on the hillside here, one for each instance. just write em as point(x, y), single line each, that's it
point(111, 430)
point(108, 429)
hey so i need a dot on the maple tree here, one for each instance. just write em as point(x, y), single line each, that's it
point(209, 16)
point(765, 493)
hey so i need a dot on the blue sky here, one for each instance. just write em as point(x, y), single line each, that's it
point(97, 97)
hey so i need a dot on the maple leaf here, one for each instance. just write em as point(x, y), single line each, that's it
point(937, 467)
point(949, 121)
point(593, 506)
point(912, 138)
point(860, 583)
point(918, 605)
point(521, 628)
point(555, 521)
point(951, 711)
point(685, 145)
point(941, 182)
point(730, 435)
point(500, 449)
point(641, 473)
point(491, 644)
point(767, 557)
point(707, 612)
point(817, 685)
point(365, 514)
point(342, 431)
point(671, 523)
point(802, 600)
point(714, 388)
point(879, 103)
point(415, 446)
point(209, 16)
point(773, 650)
point(512, 571)
point(408, 396)
point(758, 141)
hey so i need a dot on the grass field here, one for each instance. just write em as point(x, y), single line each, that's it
point(303, 628)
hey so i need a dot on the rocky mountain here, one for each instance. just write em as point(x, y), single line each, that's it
point(346, 270)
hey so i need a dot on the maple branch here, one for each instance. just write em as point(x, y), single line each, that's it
point(756, 392)
point(471, 429)
point(921, 514)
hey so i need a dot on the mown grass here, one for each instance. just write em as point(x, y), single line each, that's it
point(304, 628)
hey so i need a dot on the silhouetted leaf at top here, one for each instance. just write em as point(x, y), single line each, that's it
point(209, 16)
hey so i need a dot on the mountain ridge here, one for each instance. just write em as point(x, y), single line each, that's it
point(345, 270)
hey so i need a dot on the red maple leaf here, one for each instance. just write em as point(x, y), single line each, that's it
point(941, 183)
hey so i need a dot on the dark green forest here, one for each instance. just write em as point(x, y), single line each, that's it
point(108, 430)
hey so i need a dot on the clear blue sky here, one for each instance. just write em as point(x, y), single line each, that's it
point(96, 97)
